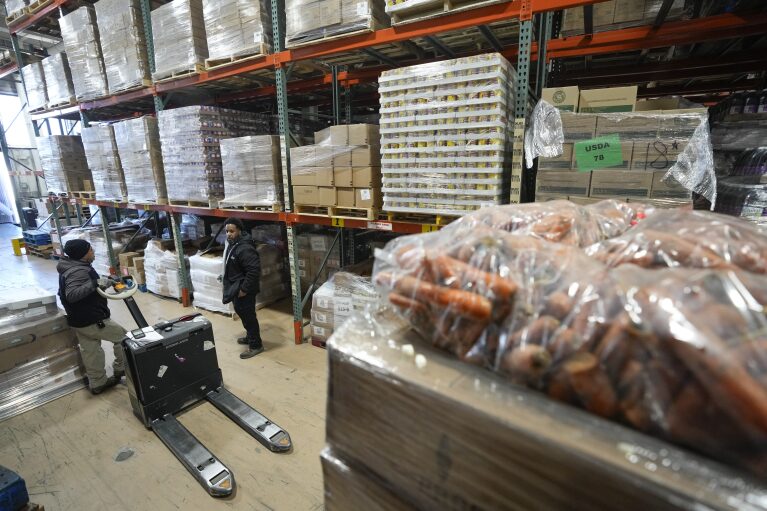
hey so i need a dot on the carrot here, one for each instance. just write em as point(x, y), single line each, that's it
point(406, 303)
point(527, 364)
point(458, 274)
point(591, 384)
point(462, 303)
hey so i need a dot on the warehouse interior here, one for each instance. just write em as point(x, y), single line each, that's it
point(383, 254)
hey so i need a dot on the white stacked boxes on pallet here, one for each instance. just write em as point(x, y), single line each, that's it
point(310, 20)
point(58, 80)
point(252, 171)
point(34, 81)
point(39, 357)
point(81, 42)
point(138, 145)
point(191, 150)
point(344, 295)
point(121, 32)
point(14, 8)
point(445, 134)
point(237, 28)
point(64, 165)
point(178, 33)
point(205, 272)
point(161, 270)
point(104, 162)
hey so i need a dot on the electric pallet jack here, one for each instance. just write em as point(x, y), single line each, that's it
point(173, 365)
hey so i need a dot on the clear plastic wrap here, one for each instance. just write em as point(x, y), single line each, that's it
point(138, 145)
point(58, 80)
point(64, 165)
point(81, 42)
point(14, 7)
point(615, 14)
point(744, 196)
point(445, 135)
point(344, 295)
point(191, 150)
point(320, 19)
point(205, 272)
point(252, 171)
point(236, 28)
point(689, 239)
point(34, 81)
point(123, 45)
point(19, 306)
point(410, 428)
point(178, 31)
point(121, 234)
point(104, 162)
point(161, 270)
point(676, 143)
point(676, 353)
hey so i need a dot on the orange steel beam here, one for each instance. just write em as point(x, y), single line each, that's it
point(36, 17)
point(8, 69)
point(723, 26)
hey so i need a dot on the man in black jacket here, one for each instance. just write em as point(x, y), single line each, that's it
point(242, 281)
point(88, 313)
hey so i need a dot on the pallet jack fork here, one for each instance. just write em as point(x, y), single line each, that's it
point(170, 367)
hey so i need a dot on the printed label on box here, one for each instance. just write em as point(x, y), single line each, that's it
point(318, 330)
point(365, 194)
point(598, 153)
point(323, 303)
point(342, 306)
point(322, 318)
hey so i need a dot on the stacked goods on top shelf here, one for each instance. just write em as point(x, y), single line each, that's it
point(616, 14)
point(104, 162)
point(64, 165)
point(34, 81)
point(445, 135)
point(178, 33)
point(237, 28)
point(341, 171)
point(81, 42)
point(14, 9)
point(406, 11)
point(640, 316)
point(626, 156)
point(191, 150)
point(39, 357)
point(121, 32)
point(252, 172)
point(58, 81)
point(311, 20)
point(343, 295)
point(138, 144)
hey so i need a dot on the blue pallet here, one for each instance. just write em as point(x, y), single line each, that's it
point(36, 237)
point(13, 491)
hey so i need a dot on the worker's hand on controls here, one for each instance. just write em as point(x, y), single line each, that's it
point(105, 283)
point(241, 294)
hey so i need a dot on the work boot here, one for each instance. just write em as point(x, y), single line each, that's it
point(243, 340)
point(111, 382)
point(252, 352)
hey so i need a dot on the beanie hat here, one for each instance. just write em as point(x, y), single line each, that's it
point(236, 222)
point(76, 249)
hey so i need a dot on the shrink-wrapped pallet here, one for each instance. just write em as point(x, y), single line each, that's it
point(178, 31)
point(252, 171)
point(64, 165)
point(161, 270)
point(138, 144)
point(58, 80)
point(14, 8)
point(34, 81)
point(123, 45)
point(81, 42)
point(310, 20)
point(104, 162)
point(237, 28)
point(205, 272)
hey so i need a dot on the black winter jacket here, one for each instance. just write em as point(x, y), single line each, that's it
point(77, 289)
point(242, 269)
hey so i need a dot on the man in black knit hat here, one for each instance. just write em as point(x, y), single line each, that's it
point(242, 282)
point(88, 313)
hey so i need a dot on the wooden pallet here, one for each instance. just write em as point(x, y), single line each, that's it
point(41, 248)
point(434, 8)
point(422, 218)
point(302, 209)
point(39, 253)
point(17, 17)
point(157, 202)
point(355, 213)
point(63, 104)
point(36, 5)
point(261, 51)
point(268, 208)
point(198, 68)
point(80, 195)
point(143, 85)
point(212, 203)
point(374, 25)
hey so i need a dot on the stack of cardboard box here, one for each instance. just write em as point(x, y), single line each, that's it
point(237, 28)
point(178, 33)
point(342, 170)
point(104, 162)
point(161, 270)
point(309, 20)
point(252, 170)
point(312, 248)
point(123, 45)
point(34, 81)
point(65, 167)
point(138, 145)
point(81, 42)
point(615, 14)
point(337, 299)
point(58, 80)
point(643, 146)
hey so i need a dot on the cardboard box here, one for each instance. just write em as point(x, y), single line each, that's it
point(613, 99)
point(126, 259)
point(667, 103)
point(620, 184)
point(342, 176)
point(364, 134)
point(138, 263)
point(577, 127)
point(342, 156)
point(630, 127)
point(324, 176)
point(627, 11)
point(658, 155)
point(366, 156)
point(681, 123)
point(366, 177)
point(563, 183)
point(546, 197)
point(326, 196)
point(324, 156)
point(306, 195)
point(604, 13)
point(564, 98)
point(563, 162)
point(585, 201)
point(330, 12)
point(368, 198)
point(304, 156)
point(670, 189)
point(303, 176)
point(345, 197)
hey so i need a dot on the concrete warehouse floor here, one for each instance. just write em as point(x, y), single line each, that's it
point(66, 449)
